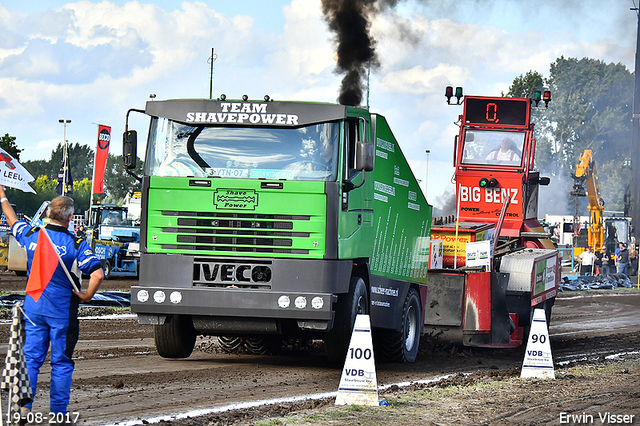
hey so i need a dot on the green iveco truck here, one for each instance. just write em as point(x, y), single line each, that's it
point(265, 220)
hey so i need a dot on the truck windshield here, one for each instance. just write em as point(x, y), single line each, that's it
point(114, 217)
point(493, 147)
point(616, 231)
point(304, 153)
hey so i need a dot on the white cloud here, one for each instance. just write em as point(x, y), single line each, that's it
point(418, 80)
point(92, 61)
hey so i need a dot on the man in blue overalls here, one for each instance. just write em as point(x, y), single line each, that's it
point(53, 317)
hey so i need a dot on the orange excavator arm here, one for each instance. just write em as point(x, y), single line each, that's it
point(586, 174)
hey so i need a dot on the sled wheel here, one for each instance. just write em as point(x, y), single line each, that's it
point(261, 345)
point(231, 345)
point(402, 346)
point(349, 305)
point(176, 338)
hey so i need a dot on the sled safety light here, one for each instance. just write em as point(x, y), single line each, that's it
point(488, 183)
point(537, 95)
point(542, 95)
point(448, 93)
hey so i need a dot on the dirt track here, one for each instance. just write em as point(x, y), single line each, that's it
point(120, 378)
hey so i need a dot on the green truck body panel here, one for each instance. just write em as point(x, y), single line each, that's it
point(402, 216)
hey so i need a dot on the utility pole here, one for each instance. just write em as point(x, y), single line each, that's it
point(632, 197)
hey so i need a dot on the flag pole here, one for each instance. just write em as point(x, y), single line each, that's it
point(64, 267)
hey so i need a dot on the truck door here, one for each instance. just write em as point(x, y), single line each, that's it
point(356, 216)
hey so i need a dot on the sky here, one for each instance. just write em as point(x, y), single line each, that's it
point(91, 61)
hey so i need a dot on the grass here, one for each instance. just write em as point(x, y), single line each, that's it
point(422, 407)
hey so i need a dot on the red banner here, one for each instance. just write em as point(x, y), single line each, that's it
point(102, 153)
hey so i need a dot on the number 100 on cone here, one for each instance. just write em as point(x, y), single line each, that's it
point(358, 384)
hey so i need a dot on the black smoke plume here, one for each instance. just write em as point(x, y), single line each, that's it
point(350, 20)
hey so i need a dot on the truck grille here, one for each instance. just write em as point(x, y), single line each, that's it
point(234, 232)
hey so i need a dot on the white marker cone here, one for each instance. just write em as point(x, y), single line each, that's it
point(358, 384)
point(538, 361)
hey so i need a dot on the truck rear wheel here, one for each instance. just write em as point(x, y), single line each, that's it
point(349, 305)
point(176, 338)
point(402, 346)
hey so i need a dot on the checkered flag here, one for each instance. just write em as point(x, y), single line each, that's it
point(15, 377)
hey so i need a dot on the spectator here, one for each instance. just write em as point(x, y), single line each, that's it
point(80, 231)
point(622, 259)
point(587, 259)
point(605, 261)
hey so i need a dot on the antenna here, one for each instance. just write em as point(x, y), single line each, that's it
point(211, 60)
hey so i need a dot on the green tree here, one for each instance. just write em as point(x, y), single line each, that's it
point(40, 168)
point(80, 158)
point(81, 195)
point(524, 86)
point(117, 181)
point(8, 143)
point(590, 109)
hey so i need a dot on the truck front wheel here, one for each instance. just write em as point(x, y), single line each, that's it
point(402, 346)
point(176, 338)
point(106, 268)
point(349, 305)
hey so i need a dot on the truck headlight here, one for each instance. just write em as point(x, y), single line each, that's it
point(175, 297)
point(142, 296)
point(284, 301)
point(301, 302)
point(317, 302)
point(159, 296)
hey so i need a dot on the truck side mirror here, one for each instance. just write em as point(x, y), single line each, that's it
point(364, 156)
point(129, 148)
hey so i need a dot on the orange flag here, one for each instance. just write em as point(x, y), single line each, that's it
point(45, 262)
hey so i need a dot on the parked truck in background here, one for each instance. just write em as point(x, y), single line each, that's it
point(268, 220)
point(114, 238)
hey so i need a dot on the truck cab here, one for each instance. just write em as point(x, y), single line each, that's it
point(263, 220)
